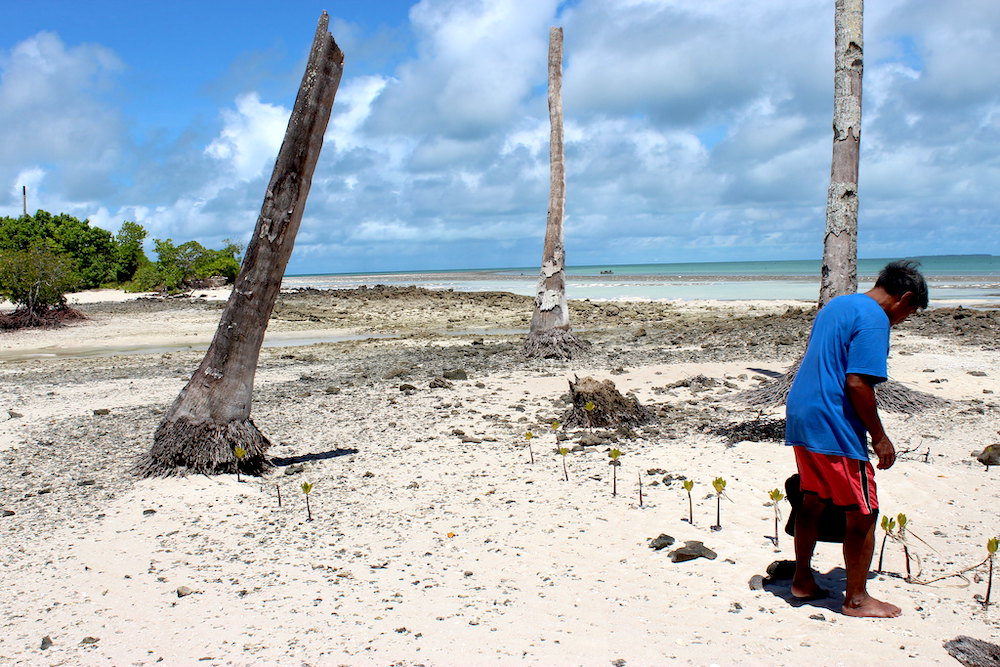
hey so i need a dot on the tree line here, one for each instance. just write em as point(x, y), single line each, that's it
point(44, 256)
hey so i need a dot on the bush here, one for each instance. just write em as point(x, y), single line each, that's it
point(35, 279)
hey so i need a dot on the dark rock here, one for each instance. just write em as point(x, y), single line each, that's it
point(978, 374)
point(407, 387)
point(661, 542)
point(589, 439)
point(100, 412)
point(148, 512)
point(781, 570)
point(4, 512)
point(456, 374)
point(86, 482)
point(440, 383)
point(472, 439)
point(89, 640)
point(756, 583)
point(817, 617)
point(399, 371)
point(184, 591)
point(332, 390)
point(295, 469)
point(692, 549)
point(990, 456)
point(46, 642)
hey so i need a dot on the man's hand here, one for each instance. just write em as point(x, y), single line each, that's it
point(886, 453)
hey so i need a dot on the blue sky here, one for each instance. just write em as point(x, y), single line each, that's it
point(695, 131)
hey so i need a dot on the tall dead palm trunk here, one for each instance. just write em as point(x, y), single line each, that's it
point(840, 242)
point(550, 334)
point(211, 416)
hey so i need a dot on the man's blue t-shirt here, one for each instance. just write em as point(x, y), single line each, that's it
point(850, 335)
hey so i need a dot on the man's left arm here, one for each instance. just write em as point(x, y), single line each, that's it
point(861, 393)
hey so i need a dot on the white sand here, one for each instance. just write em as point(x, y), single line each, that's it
point(425, 549)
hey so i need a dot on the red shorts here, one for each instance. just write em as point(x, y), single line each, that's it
point(847, 483)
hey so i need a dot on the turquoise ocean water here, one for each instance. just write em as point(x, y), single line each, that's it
point(953, 279)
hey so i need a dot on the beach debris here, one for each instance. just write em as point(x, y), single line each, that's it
point(973, 652)
point(990, 456)
point(440, 383)
point(149, 512)
point(692, 549)
point(610, 409)
point(590, 439)
point(332, 390)
point(89, 640)
point(977, 374)
point(756, 582)
point(295, 469)
point(757, 429)
point(184, 591)
point(14, 415)
point(101, 412)
point(46, 642)
point(455, 374)
point(661, 541)
point(407, 388)
point(6, 512)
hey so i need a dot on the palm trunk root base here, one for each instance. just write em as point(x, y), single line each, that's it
point(553, 344)
point(181, 447)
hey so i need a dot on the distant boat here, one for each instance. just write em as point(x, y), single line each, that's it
point(607, 272)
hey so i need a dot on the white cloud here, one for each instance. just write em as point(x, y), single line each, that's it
point(251, 136)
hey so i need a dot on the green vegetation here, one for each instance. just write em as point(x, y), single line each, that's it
point(991, 548)
point(614, 454)
point(528, 436)
point(44, 256)
point(901, 520)
point(719, 485)
point(564, 451)
point(240, 453)
point(776, 497)
point(307, 488)
point(688, 485)
point(888, 524)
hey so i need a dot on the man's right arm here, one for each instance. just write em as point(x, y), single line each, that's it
point(861, 393)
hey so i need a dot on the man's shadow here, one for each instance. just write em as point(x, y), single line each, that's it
point(834, 581)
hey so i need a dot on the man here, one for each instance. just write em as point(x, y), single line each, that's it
point(830, 407)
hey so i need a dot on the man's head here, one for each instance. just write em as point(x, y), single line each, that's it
point(906, 287)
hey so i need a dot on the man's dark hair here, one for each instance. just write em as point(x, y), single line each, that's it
point(902, 276)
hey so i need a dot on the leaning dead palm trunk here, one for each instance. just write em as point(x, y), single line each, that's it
point(840, 242)
point(550, 334)
point(212, 413)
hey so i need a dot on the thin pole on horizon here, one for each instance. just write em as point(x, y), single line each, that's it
point(24, 198)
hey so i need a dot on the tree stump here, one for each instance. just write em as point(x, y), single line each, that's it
point(611, 408)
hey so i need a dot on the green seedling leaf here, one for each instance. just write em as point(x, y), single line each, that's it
point(719, 485)
point(307, 488)
point(614, 454)
point(688, 485)
point(589, 406)
point(564, 451)
point(776, 495)
point(901, 520)
point(555, 425)
point(529, 435)
point(239, 451)
point(991, 546)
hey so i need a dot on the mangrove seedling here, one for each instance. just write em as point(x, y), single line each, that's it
point(719, 485)
point(776, 497)
point(991, 548)
point(307, 488)
point(589, 407)
point(528, 436)
point(614, 454)
point(640, 488)
point(688, 485)
point(240, 453)
point(888, 524)
point(901, 520)
point(278, 487)
point(564, 451)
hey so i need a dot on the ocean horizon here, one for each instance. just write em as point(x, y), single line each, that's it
point(951, 278)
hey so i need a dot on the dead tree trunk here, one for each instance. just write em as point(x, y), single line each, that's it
point(211, 415)
point(840, 243)
point(550, 334)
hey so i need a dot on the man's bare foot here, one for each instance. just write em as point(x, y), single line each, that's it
point(869, 607)
point(806, 588)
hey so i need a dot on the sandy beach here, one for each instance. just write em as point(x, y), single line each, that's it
point(434, 539)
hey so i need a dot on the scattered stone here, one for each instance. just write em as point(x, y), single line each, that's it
point(467, 573)
point(399, 371)
point(407, 387)
point(990, 456)
point(692, 549)
point(100, 412)
point(148, 512)
point(413, 485)
point(756, 582)
point(14, 415)
point(978, 374)
point(46, 642)
point(656, 471)
point(456, 374)
point(184, 591)
point(817, 617)
point(590, 439)
point(440, 383)
point(781, 570)
point(295, 469)
point(661, 542)
point(332, 390)
point(89, 640)
point(368, 474)
point(472, 439)
point(86, 482)
point(45, 490)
